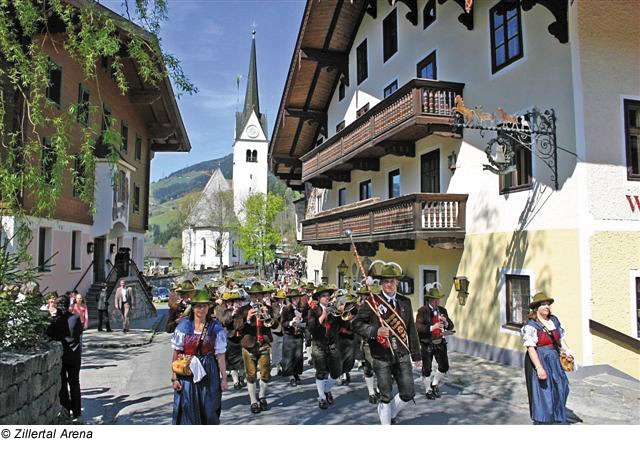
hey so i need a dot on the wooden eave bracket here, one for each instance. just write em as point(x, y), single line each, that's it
point(412, 15)
point(144, 96)
point(160, 131)
point(465, 18)
point(330, 59)
point(559, 9)
point(310, 116)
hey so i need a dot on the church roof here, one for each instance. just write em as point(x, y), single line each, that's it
point(251, 98)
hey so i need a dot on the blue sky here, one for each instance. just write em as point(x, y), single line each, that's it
point(212, 38)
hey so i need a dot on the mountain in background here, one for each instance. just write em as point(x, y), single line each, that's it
point(190, 179)
point(167, 193)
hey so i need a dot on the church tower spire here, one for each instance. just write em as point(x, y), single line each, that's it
point(251, 98)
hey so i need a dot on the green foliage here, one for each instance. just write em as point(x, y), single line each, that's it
point(257, 236)
point(29, 163)
point(22, 324)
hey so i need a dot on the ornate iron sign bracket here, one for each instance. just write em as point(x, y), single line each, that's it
point(533, 130)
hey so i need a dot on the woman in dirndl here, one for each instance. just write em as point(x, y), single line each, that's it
point(197, 398)
point(547, 383)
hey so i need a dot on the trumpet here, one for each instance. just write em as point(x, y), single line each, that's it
point(350, 312)
point(333, 309)
point(264, 317)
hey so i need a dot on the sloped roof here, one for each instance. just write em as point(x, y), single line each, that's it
point(251, 97)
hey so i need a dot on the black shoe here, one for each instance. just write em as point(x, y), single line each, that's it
point(436, 391)
point(293, 382)
point(264, 406)
point(394, 421)
point(109, 330)
point(100, 329)
point(430, 395)
point(255, 408)
point(322, 403)
point(329, 397)
point(346, 380)
point(237, 386)
point(373, 399)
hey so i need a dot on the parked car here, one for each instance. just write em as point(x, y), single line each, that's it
point(161, 294)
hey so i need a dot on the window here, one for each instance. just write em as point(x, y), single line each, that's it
point(506, 35)
point(54, 83)
point(427, 67)
point(48, 160)
point(342, 196)
point(394, 183)
point(520, 177)
point(517, 304)
point(366, 190)
point(83, 105)
point(44, 249)
point(254, 156)
point(429, 14)
point(361, 62)
point(248, 155)
point(104, 148)
point(78, 178)
point(204, 247)
point(389, 35)
point(340, 280)
point(430, 172)
point(340, 127)
point(136, 198)
point(341, 90)
point(124, 134)
point(233, 248)
point(391, 89)
point(362, 111)
point(428, 276)
point(632, 137)
point(138, 150)
point(75, 250)
point(316, 276)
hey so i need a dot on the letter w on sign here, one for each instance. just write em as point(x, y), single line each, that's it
point(631, 199)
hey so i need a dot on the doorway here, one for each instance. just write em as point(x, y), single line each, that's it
point(98, 259)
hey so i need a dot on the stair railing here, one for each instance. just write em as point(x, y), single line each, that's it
point(82, 277)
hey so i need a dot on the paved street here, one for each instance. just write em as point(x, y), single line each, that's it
point(127, 382)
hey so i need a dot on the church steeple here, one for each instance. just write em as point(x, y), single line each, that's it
point(251, 99)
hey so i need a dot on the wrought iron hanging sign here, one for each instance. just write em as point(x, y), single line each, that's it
point(533, 130)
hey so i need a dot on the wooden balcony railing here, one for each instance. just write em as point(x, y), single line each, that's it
point(417, 109)
point(410, 217)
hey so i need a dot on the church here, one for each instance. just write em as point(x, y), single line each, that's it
point(202, 243)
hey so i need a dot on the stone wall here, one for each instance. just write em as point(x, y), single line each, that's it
point(29, 386)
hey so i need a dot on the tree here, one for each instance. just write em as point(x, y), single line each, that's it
point(220, 216)
point(174, 248)
point(257, 236)
point(87, 32)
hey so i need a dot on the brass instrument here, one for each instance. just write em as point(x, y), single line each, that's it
point(350, 311)
point(333, 309)
point(264, 317)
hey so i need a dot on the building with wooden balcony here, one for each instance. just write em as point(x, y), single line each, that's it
point(80, 245)
point(389, 122)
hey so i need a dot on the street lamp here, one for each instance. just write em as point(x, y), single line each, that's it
point(461, 285)
point(342, 267)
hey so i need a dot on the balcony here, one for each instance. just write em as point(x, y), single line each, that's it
point(438, 219)
point(416, 110)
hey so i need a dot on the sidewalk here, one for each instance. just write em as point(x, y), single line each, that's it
point(140, 333)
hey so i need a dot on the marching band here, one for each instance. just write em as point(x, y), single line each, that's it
point(270, 326)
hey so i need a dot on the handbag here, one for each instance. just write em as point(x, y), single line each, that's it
point(180, 366)
point(567, 365)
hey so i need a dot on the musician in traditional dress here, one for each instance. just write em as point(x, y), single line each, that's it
point(324, 328)
point(367, 363)
point(235, 364)
point(347, 339)
point(308, 289)
point(293, 325)
point(180, 307)
point(432, 321)
point(390, 329)
point(276, 301)
point(253, 322)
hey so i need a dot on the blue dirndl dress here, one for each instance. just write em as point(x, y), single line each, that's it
point(199, 403)
point(547, 398)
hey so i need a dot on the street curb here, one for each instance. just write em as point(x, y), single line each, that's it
point(141, 342)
